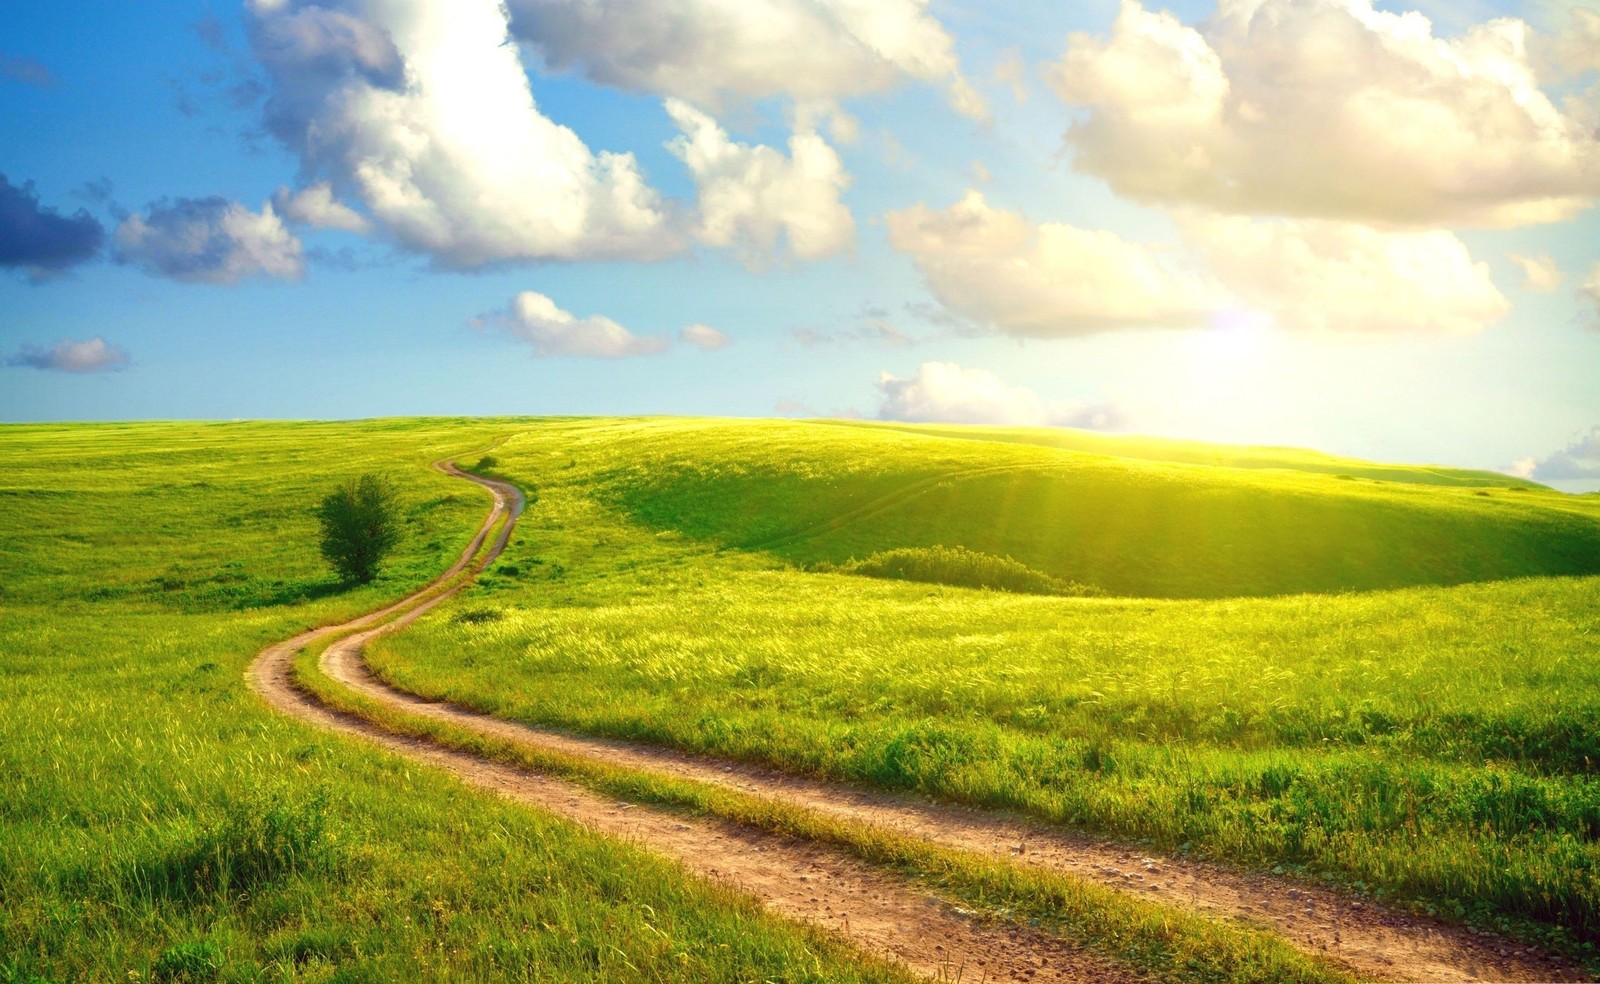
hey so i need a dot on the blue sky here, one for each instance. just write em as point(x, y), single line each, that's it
point(1318, 224)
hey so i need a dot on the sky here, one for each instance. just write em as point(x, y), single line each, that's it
point(1363, 228)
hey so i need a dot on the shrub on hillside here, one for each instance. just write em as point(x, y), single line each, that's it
point(360, 523)
point(963, 568)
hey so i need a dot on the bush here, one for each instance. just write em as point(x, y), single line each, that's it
point(963, 568)
point(360, 524)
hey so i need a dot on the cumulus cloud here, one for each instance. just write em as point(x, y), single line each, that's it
point(210, 241)
point(995, 268)
point(40, 239)
point(757, 200)
point(712, 51)
point(1051, 280)
point(1578, 460)
point(704, 337)
point(1539, 273)
point(316, 207)
point(943, 392)
point(1326, 108)
point(422, 113)
point(1318, 275)
point(537, 319)
point(87, 356)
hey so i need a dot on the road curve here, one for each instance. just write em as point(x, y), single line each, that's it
point(825, 887)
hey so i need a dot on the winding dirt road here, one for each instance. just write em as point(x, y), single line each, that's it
point(878, 911)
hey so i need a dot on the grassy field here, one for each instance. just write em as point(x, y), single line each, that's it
point(159, 823)
point(1430, 738)
point(703, 584)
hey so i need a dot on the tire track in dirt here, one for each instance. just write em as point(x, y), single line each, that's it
point(804, 881)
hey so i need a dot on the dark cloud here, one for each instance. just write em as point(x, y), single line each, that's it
point(1575, 462)
point(39, 239)
point(210, 241)
point(27, 71)
point(95, 192)
point(88, 356)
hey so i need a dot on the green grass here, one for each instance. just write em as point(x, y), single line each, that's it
point(159, 822)
point(1434, 743)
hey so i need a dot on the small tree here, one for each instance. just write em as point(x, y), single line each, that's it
point(360, 524)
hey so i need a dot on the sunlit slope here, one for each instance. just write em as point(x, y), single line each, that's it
point(1202, 453)
point(817, 492)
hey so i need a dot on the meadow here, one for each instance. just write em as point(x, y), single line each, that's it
point(1374, 675)
point(160, 823)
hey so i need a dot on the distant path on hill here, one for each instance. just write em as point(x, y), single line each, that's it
point(824, 886)
point(877, 911)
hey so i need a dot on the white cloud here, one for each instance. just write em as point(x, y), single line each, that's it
point(210, 241)
point(1591, 287)
point(1575, 50)
point(315, 206)
point(943, 392)
point(1539, 273)
point(67, 355)
point(1314, 275)
point(704, 337)
point(1326, 108)
point(1578, 460)
point(537, 319)
point(873, 329)
point(995, 268)
point(758, 201)
point(1011, 71)
point(712, 51)
point(422, 112)
point(1052, 280)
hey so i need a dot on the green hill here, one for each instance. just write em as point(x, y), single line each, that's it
point(1119, 518)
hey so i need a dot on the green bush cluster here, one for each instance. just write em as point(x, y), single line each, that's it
point(963, 568)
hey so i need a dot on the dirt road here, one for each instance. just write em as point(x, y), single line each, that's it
point(876, 910)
